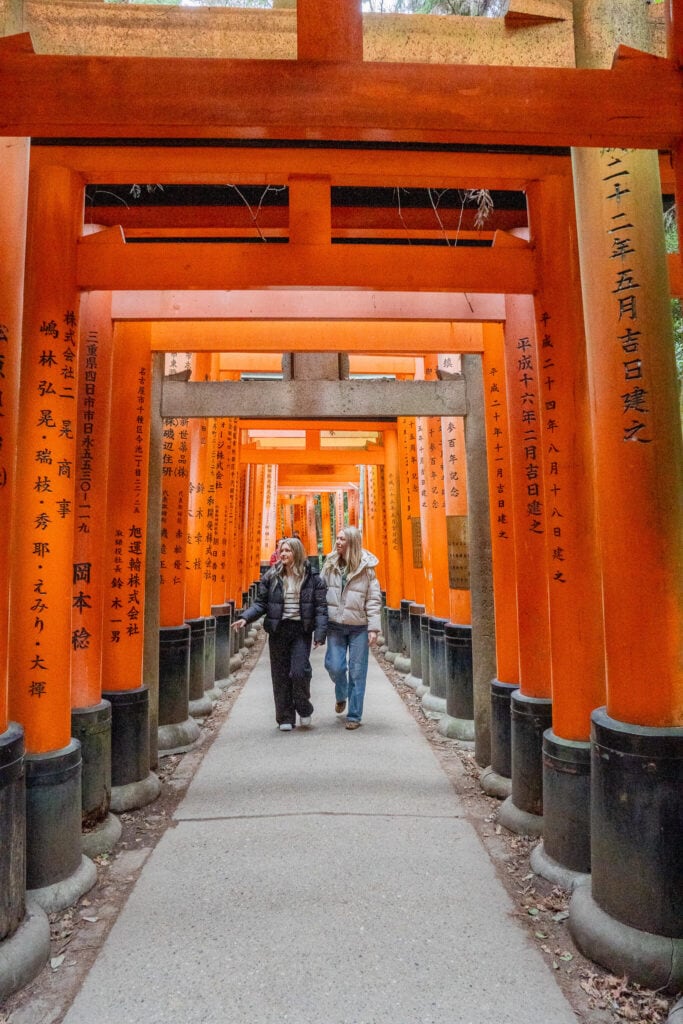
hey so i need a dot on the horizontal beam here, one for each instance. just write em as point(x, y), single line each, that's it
point(313, 399)
point(305, 304)
point(216, 165)
point(312, 457)
point(106, 262)
point(357, 336)
point(132, 97)
point(364, 426)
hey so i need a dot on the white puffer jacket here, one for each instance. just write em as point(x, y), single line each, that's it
point(360, 602)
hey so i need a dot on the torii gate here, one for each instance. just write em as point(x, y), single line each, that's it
point(331, 95)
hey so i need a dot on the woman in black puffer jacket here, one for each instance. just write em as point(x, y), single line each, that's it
point(293, 599)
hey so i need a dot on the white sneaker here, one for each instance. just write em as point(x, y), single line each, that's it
point(285, 727)
point(305, 721)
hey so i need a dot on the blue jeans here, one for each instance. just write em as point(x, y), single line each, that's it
point(346, 660)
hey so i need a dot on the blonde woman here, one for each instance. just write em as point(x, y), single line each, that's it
point(292, 598)
point(354, 601)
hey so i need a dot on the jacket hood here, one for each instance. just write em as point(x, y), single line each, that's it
point(369, 559)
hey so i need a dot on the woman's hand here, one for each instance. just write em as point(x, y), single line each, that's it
point(238, 622)
point(372, 637)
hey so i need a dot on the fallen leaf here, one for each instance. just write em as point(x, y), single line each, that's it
point(57, 961)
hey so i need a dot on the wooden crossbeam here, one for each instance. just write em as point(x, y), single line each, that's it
point(201, 98)
point(105, 261)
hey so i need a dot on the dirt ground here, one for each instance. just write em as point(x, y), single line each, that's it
point(78, 933)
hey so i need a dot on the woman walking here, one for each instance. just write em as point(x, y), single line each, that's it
point(292, 598)
point(354, 601)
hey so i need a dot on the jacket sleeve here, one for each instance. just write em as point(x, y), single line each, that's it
point(260, 604)
point(373, 603)
point(320, 599)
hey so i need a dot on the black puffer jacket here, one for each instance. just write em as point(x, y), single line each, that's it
point(270, 601)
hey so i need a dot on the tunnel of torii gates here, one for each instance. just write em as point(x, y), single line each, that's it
point(501, 419)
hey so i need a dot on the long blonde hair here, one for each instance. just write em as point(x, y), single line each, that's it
point(297, 549)
point(354, 552)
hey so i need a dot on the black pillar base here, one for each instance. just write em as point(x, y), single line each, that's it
point(501, 727)
point(53, 815)
point(221, 613)
point(92, 728)
point(522, 812)
point(566, 802)
point(636, 815)
point(12, 830)
point(129, 735)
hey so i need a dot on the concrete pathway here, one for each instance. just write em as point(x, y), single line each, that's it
point(319, 877)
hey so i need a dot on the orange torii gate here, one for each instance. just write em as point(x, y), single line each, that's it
point(330, 92)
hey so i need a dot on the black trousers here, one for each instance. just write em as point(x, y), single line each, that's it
point(290, 670)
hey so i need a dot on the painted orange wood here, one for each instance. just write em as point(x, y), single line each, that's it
point(175, 482)
point(306, 457)
point(392, 515)
point(455, 500)
point(41, 549)
point(572, 556)
point(500, 504)
point(13, 248)
point(329, 30)
point(212, 165)
point(529, 516)
point(92, 474)
point(636, 422)
point(108, 263)
point(413, 575)
point(41, 95)
point(310, 211)
point(361, 336)
point(126, 529)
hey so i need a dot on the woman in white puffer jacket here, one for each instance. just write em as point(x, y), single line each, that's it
point(354, 602)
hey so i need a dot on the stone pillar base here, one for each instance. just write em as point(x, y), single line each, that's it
point(67, 891)
point(654, 961)
point(493, 784)
point(135, 794)
point(24, 954)
point(402, 664)
point(548, 868)
point(435, 707)
point(523, 823)
point(201, 708)
point(103, 838)
point(413, 681)
point(456, 728)
point(178, 737)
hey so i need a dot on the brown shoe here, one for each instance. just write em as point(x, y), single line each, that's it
point(353, 725)
point(340, 707)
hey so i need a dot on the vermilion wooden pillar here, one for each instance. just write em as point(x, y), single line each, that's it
point(91, 716)
point(31, 940)
point(636, 879)
point(311, 541)
point(269, 533)
point(574, 584)
point(15, 158)
point(329, 30)
point(455, 500)
point(496, 782)
point(42, 536)
point(531, 704)
point(392, 511)
point(413, 586)
point(133, 785)
point(326, 519)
